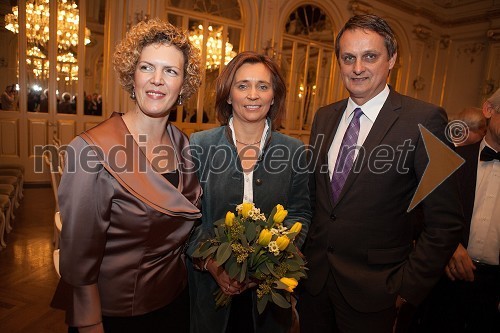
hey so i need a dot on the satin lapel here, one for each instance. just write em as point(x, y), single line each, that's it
point(134, 172)
point(385, 119)
point(329, 134)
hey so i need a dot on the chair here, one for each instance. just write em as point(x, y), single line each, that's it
point(55, 258)
point(57, 229)
point(20, 181)
point(4, 217)
point(10, 192)
point(13, 181)
point(19, 167)
point(55, 176)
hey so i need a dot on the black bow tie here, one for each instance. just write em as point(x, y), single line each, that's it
point(488, 154)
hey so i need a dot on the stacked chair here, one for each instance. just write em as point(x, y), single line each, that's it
point(56, 171)
point(11, 193)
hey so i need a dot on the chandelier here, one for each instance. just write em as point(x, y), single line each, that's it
point(214, 46)
point(37, 34)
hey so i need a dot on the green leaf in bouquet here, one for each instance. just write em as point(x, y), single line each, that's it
point(250, 232)
point(270, 219)
point(220, 222)
point(262, 303)
point(243, 272)
point(299, 260)
point(202, 248)
point(292, 236)
point(273, 258)
point(280, 285)
point(233, 268)
point(263, 268)
point(243, 240)
point(297, 275)
point(208, 252)
point(223, 253)
point(293, 265)
point(280, 300)
point(270, 267)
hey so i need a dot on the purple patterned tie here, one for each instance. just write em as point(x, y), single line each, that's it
point(345, 157)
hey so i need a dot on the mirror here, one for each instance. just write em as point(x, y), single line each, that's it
point(9, 83)
point(94, 58)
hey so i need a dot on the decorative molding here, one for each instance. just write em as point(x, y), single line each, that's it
point(360, 8)
point(493, 35)
point(419, 83)
point(444, 42)
point(422, 32)
point(471, 50)
point(271, 50)
point(489, 87)
point(443, 18)
point(138, 17)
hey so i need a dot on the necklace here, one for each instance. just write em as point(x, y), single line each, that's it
point(248, 144)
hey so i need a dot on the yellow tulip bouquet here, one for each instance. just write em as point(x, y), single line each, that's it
point(252, 247)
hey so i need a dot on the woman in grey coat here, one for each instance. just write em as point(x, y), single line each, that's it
point(244, 160)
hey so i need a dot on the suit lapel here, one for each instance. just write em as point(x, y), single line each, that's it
point(330, 130)
point(385, 120)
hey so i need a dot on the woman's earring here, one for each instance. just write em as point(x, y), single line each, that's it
point(272, 102)
point(179, 100)
point(132, 95)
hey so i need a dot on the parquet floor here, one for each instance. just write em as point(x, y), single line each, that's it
point(27, 275)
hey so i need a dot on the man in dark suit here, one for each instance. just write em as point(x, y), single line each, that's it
point(467, 297)
point(362, 264)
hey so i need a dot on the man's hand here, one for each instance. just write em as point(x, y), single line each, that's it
point(460, 266)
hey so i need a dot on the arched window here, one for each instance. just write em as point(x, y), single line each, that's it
point(308, 62)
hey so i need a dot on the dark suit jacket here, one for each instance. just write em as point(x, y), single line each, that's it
point(366, 237)
point(467, 185)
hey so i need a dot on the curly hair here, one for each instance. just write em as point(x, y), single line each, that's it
point(154, 31)
point(225, 80)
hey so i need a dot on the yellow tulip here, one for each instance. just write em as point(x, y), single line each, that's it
point(296, 227)
point(229, 219)
point(280, 216)
point(246, 207)
point(265, 237)
point(282, 242)
point(290, 282)
point(279, 208)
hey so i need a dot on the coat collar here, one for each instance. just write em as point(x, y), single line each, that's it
point(139, 177)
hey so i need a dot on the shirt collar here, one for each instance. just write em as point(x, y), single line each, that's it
point(263, 138)
point(371, 109)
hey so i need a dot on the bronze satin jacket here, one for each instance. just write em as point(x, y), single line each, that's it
point(124, 226)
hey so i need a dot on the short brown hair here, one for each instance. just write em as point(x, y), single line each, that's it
point(225, 80)
point(154, 31)
point(372, 23)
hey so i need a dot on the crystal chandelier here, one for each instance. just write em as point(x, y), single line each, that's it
point(37, 23)
point(214, 46)
point(37, 33)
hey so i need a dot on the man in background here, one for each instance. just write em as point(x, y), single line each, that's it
point(475, 121)
point(467, 297)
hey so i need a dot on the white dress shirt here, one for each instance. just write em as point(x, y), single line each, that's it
point(484, 238)
point(371, 109)
point(248, 177)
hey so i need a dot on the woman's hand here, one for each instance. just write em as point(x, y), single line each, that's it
point(227, 285)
